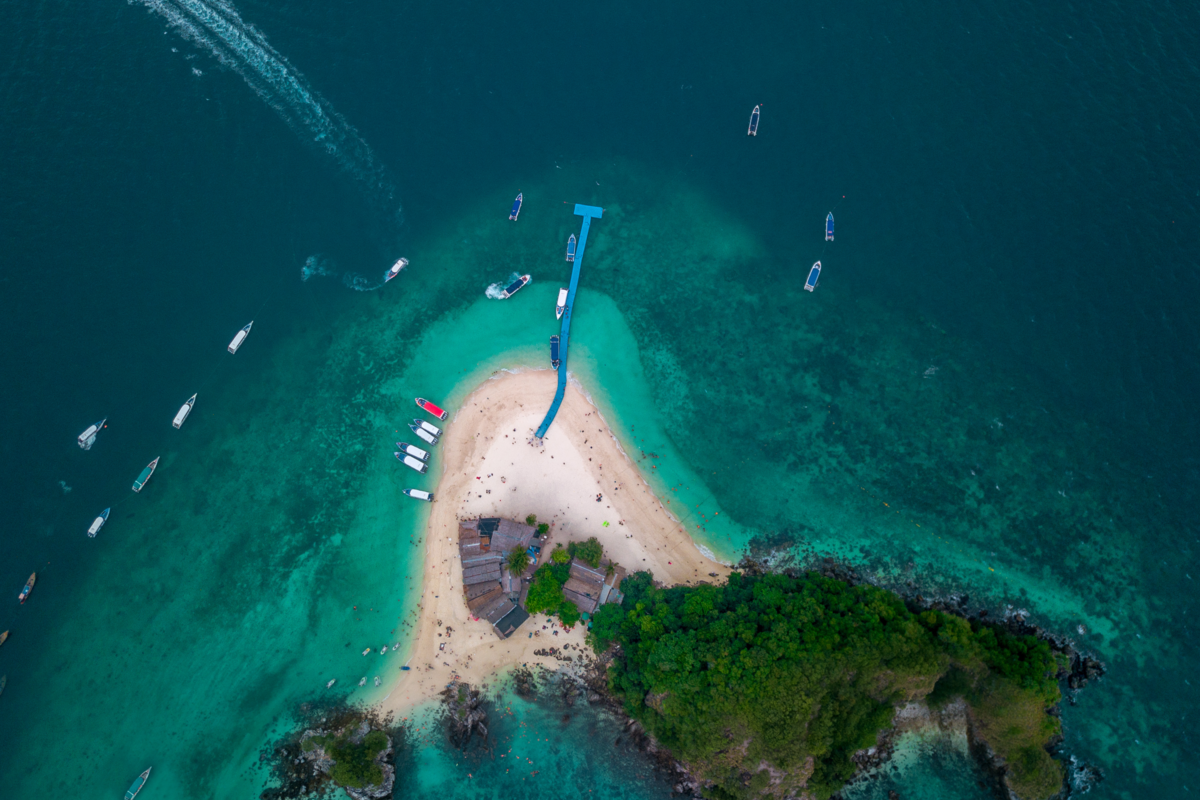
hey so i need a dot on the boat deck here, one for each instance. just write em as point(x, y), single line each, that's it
point(588, 213)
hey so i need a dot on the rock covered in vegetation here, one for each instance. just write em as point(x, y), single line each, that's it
point(340, 748)
point(466, 714)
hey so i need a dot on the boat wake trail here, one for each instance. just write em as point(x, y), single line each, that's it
point(496, 290)
point(216, 26)
point(320, 267)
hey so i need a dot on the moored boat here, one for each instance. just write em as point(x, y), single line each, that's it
point(331, 683)
point(24, 595)
point(419, 494)
point(133, 790)
point(183, 412)
point(395, 270)
point(145, 475)
point(813, 276)
point(240, 337)
point(571, 248)
point(829, 227)
point(3, 637)
point(516, 209)
point(3, 683)
point(414, 463)
point(753, 129)
point(415, 452)
point(428, 427)
point(514, 287)
point(88, 437)
point(561, 305)
point(429, 407)
point(423, 434)
point(98, 523)
point(554, 361)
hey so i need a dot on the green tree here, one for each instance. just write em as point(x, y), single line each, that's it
point(531, 519)
point(518, 560)
point(559, 555)
point(545, 592)
point(543, 528)
point(589, 552)
point(568, 612)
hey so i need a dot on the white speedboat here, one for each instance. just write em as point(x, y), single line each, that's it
point(88, 437)
point(561, 305)
point(419, 494)
point(240, 337)
point(415, 452)
point(423, 434)
point(395, 270)
point(331, 683)
point(415, 463)
point(98, 523)
point(366, 651)
point(363, 682)
point(428, 427)
point(183, 412)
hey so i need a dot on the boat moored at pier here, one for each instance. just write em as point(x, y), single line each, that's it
point(88, 437)
point(240, 337)
point(423, 435)
point(514, 287)
point(98, 523)
point(414, 463)
point(554, 360)
point(516, 209)
point(395, 270)
point(814, 275)
point(829, 227)
point(561, 304)
point(571, 248)
point(145, 475)
point(24, 595)
point(133, 790)
point(753, 129)
point(415, 452)
point(429, 407)
point(183, 412)
point(419, 494)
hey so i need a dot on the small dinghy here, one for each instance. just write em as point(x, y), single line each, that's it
point(423, 434)
point(419, 494)
point(363, 682)
point(514, 287)
point(331, 683)
point(145, 475)
point(429, 407)
point(88, 437)
point(395, 270)
point(571, 248)
point(516, 209)
point(133, 790)
point(415, 463)
point(98, 523)
point(561, 305)
point(415, 452)
point(428, 427)
point(366, 651)
point(240, 337)
point(377, 681)
point(3, 637)
point(183, 412)
point(24, 595)
point(813, 276)
point(829, 227)
point(554, 360)
point(753, 129)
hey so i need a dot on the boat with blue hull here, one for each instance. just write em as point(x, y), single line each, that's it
point(133, 790)
point(753, 129)
point(514, 287)
point(814, 275)
point(145, 475)
point(829, 227)
point(98, 523)
point(395, 270)
point(24, 595)
point(516, 209)
point(571, 248)
point(554, 360)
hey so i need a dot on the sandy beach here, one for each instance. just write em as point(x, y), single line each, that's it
point(492, 466)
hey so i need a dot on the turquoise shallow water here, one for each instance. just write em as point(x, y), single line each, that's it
point(983, 395)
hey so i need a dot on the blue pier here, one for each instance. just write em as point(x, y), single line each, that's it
point(587, 212)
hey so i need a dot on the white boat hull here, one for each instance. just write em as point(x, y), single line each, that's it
point(424, 435)
point(417, 464)
point(237, 341)
point(183, 412)
point(97, 524)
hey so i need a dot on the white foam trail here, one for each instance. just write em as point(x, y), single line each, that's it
point(216, 26)
point(318, 266)
point(496, 290)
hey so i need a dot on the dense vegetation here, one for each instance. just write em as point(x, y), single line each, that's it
point(770, 684)
point(353, 762)
point(589, 552)
point(546, 589)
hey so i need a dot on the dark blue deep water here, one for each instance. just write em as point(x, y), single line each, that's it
point(1011, 302)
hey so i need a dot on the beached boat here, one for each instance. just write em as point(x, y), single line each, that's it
point(423, 434)
point(133, 790)
point(415, 452)
point(24, 595)
point(183, 412)
point(3, 637)
point(428, 427)
point(753, 129)
point(415, 463)
point(240, 337)
point(829, 227)
point(813, 276)
point(419, 494)
point(98, 523)
point(514, 287)
point(561, 305)
point(571, 248)
point(554, 361)
point(88, 437)
point(145, 475)
point(516, 209)
point(430, 408)
point(395, 270)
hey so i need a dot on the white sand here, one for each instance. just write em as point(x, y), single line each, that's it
point(493, 468)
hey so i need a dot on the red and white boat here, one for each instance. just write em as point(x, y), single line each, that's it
point(429, 407)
